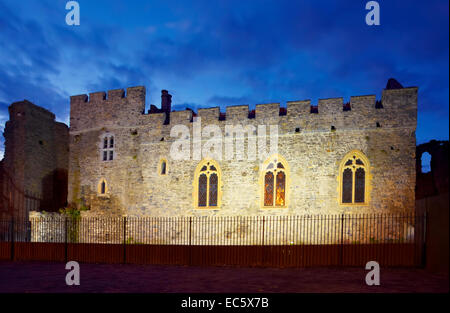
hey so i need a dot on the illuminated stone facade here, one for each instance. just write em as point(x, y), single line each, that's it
point(312, 142)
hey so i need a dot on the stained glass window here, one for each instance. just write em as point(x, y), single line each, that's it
point(208, 185)
point(213, 181)
point(353, 179)
point(275, 184)
point(280, 193)
point(347, 186)
point(202, 190)
point(268, 189)
point(360, 180)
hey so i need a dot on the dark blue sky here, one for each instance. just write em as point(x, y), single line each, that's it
point(209, 53)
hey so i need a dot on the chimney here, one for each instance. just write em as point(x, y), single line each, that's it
point(166, 104)
point(166, 101)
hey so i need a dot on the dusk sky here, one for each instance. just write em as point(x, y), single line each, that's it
point(219, 53)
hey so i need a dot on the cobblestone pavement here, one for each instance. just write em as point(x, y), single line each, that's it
point(36, 277)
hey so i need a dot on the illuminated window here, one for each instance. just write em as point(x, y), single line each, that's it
point(354, 179)
point(207, 185)
point(102, 187)
point(274, 182)
point(107, 150)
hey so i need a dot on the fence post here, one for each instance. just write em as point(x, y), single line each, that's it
point(125, 239)
point(28, 235)
point(190, 240)
point(341, 250)
point(12, 238)
point(65, 239)
point(263, 230)
point(263, 242)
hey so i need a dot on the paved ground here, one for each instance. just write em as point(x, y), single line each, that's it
point(35, 277)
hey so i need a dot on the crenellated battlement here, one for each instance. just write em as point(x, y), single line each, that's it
point(114, 107)
point(397, 108)
point(110, 95)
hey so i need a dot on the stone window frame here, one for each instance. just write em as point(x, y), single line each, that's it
point(108, 149)
point(161, 161)
point(198, 170)
point(355, 154)
point(274, 160)
point(99, 188)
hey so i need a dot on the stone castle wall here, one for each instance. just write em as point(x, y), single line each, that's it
point(307, 141)
point(37, 154)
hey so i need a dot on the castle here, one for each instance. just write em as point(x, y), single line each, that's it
point(117, 160)
point(336, 157)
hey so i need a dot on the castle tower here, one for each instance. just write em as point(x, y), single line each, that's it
point(36, 155)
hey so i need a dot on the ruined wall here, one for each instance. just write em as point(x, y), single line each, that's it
point(36, 153)
point(436, 181)
point(312, 148)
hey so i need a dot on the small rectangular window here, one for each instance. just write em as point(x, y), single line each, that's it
point(107, 148)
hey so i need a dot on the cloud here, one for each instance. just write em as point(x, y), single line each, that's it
point(226, 52)
point(182, 26)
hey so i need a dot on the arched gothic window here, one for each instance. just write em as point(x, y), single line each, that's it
point(163, 167)
point(275, 182)
point(207, 185)
point(102, 187)
point(354, 179)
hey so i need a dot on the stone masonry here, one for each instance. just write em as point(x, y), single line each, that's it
point(36, 156)
point(312, 140)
